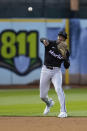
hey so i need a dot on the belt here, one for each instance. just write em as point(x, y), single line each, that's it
point(50, 67)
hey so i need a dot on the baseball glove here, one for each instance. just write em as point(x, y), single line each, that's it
point(62, 48)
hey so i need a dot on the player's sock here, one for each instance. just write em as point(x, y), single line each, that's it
point(47, 101)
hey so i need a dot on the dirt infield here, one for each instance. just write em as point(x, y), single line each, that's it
point(43, 124)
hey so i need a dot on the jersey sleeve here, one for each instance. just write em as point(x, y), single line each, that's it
point(67, 60)
point(66, 64)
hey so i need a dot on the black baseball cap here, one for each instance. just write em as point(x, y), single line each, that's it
point(63, 33)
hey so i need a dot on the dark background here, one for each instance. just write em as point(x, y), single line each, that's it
point(41, 8)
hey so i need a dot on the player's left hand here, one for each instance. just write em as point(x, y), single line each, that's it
point(62, 48)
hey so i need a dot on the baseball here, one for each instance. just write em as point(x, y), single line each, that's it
point(30, 8)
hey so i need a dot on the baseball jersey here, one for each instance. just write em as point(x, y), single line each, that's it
point(53, 57)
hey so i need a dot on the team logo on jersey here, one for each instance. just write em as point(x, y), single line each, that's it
point(58, 56)
point(19, 51)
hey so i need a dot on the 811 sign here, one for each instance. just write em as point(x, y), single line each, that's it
point(15, 44)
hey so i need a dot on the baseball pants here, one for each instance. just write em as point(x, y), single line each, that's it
point(54, 76)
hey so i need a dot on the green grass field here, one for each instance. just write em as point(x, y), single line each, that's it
point(26, 102)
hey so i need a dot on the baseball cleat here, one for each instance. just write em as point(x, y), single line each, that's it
point(62, 115)
point(47, 109)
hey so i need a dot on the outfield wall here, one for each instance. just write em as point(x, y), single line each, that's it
point(22, 54)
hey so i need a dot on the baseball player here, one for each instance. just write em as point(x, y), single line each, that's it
point(56, 53)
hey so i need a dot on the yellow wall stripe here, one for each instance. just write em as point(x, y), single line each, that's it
point(67, 71)
point(30, 20)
